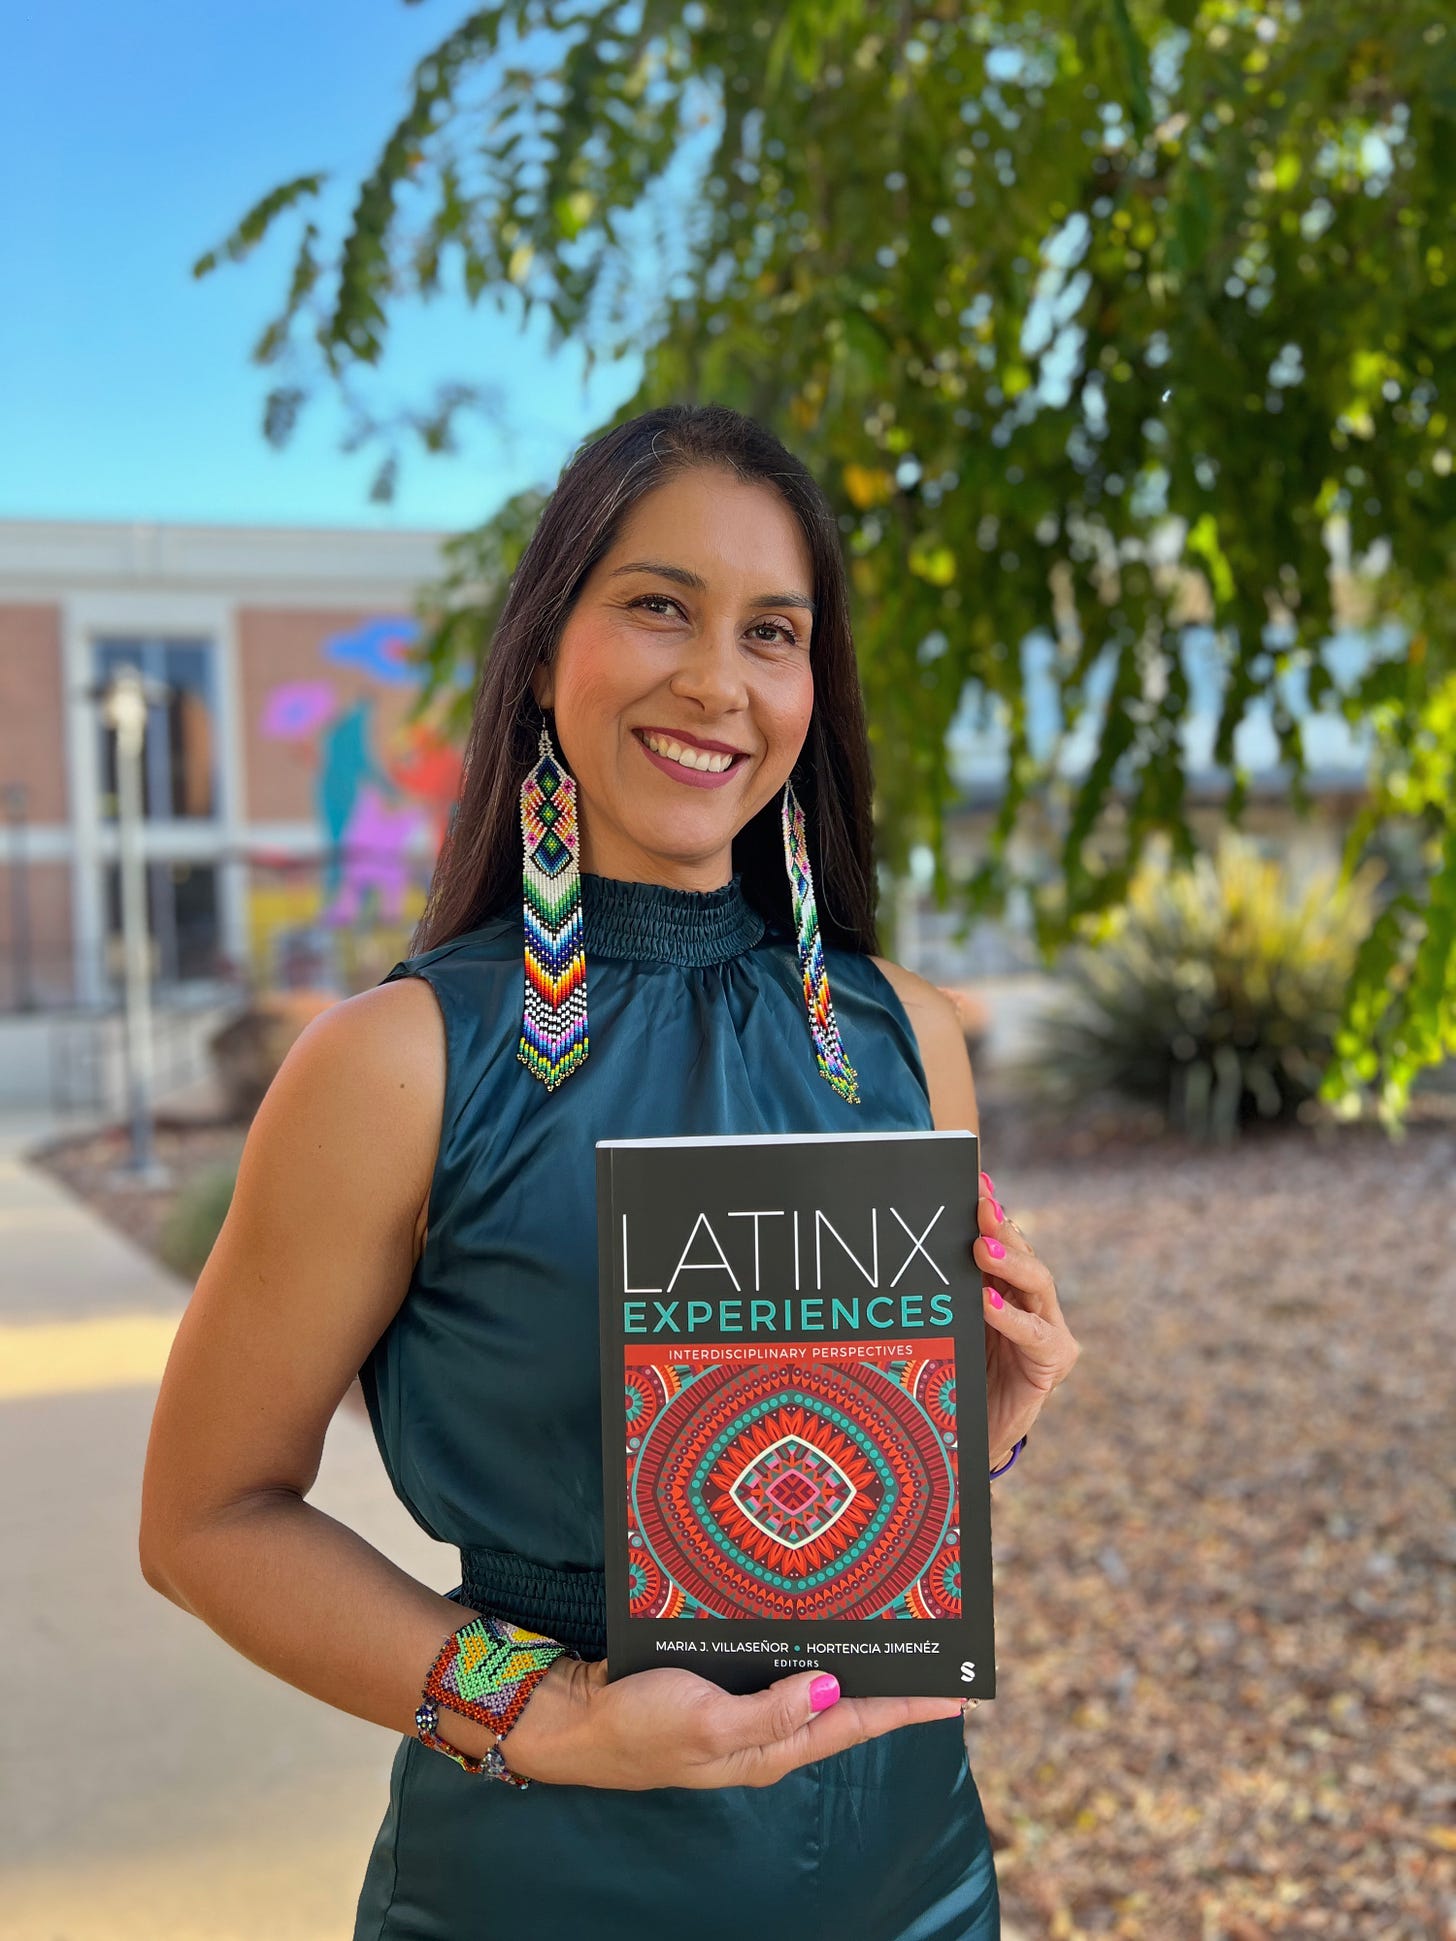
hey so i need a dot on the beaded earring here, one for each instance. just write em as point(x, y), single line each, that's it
point(553, 1028)
point(829, 1052)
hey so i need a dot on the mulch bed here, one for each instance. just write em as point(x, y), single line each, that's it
point(89, 1164)
point(1225, 1639)
point(1225, 1597)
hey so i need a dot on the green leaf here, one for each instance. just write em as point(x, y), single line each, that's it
point(244, 239)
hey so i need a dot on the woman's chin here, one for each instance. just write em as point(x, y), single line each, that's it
point(709, 857)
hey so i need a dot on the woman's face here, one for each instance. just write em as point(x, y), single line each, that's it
point(690, 637)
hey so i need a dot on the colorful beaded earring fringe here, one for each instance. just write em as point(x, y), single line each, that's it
point(833, 1064)
point(553, 1029)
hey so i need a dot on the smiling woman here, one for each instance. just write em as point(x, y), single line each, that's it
point(665, 815)
point(709, 687)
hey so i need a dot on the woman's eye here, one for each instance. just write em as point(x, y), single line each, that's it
point(778, 627)
point(654, 601)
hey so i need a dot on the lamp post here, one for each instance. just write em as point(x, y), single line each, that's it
point(124, 702)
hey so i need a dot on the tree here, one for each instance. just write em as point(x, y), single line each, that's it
point(1073, 307)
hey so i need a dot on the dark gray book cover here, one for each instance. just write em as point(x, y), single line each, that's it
point(794, 1431)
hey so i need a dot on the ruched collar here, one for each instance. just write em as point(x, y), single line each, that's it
point(651, 921)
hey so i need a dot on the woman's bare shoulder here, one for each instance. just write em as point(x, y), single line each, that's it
point(930, 1008)
point(361, 1094)
point(942, 1043)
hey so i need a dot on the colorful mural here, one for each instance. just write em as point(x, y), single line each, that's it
point(382, 795)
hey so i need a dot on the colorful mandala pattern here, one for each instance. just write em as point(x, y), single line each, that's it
point(790, 1489)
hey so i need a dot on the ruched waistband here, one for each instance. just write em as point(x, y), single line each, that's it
point(567, 1604)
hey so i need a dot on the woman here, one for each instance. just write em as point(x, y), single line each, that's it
point(415, 1204)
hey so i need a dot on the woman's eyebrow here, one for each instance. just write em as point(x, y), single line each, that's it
point(685, 577)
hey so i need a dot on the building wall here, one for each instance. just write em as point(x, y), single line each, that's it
point(337, 775)
point(310, 659)
point(32, 710)
point(39, 974)
point(35, 893)
point(294, 812)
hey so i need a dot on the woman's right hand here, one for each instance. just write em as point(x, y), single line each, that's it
point(669, 1727)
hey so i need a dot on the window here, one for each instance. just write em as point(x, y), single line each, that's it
point(182, 919)
point(179, 761)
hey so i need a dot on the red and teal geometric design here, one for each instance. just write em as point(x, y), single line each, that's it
point(792, 1488)
point(793, 1492)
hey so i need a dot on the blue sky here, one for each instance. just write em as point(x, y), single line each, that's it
point(134, 138)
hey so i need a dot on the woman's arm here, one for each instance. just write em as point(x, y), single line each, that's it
point(946, 1062)
point(1030, 1349)
point(942, 1045)
point(315, 1255)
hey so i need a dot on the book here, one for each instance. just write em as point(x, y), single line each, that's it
point(793, 1369)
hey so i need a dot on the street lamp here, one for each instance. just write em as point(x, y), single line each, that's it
point(124, 702)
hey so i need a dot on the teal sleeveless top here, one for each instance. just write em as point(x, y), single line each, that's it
point(483, 1394)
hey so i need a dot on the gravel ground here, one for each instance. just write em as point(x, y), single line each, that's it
point(1227, 1679)
point(1224, 1562)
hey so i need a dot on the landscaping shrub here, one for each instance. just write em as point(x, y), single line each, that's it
point(1213, 994)
point(195, 1220)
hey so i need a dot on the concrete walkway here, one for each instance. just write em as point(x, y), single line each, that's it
point(154, 1786)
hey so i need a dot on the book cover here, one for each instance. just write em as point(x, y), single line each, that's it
point(793, 1364)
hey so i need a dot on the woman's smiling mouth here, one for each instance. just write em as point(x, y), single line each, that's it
point(688, 761)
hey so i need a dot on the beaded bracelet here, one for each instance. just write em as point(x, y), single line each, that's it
point(485, 1671)
point(1016, 1449)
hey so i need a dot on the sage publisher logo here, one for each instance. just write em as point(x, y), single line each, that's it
point(968, 1671)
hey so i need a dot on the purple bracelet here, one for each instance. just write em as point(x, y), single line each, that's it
point(1016, 1449)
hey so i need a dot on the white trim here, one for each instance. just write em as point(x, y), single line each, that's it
point(194, 840)
point(82, 787)
point(43, 842)
point(290, 838)
point(232, 787)
point(352, 567)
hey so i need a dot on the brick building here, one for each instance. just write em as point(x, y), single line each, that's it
point(289, 802)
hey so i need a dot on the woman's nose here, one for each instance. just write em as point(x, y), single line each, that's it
point(710, 671)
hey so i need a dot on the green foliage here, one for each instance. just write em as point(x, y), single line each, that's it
point(1400, 1014)
point(1093, 317)
point(1214, 992)
point(195, 1220)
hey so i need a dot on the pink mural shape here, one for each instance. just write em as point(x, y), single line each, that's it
point(375, 856)
point(297, 709)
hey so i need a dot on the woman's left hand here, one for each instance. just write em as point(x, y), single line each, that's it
point(1029, 1347)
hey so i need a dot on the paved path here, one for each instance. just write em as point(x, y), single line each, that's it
point(197, 1798)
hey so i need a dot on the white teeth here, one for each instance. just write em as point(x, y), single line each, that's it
point(698, 758)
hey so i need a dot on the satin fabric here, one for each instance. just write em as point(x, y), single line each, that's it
point(484, 1397)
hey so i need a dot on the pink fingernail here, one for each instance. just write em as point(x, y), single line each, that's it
point(824, 1692)
point(998, 1210)
point(988, 1182)
point(994, 1249)
point(996, 1300)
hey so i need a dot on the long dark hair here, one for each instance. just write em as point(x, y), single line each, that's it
point(478, 871)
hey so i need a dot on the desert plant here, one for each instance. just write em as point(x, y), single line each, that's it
point(195, 1220)
point(1214, 993)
